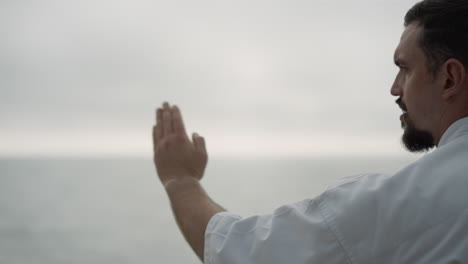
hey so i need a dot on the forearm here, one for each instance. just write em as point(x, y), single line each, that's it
point(192, 209)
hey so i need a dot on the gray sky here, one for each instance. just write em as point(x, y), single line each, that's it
point(281, 78)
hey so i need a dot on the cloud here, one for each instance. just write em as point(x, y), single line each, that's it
point(93, 71)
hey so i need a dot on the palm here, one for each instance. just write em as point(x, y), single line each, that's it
point(175, 155)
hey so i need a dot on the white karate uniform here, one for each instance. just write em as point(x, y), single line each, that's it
point(418, 215)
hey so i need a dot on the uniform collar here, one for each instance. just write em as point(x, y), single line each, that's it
point(455, 130)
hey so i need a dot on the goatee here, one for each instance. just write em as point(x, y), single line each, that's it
point(414, 139)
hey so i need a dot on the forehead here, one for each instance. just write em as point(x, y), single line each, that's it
point(408, 48)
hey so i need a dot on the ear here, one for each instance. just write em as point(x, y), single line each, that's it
point(455, 74)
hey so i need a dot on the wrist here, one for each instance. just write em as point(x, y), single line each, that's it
point(181, 184)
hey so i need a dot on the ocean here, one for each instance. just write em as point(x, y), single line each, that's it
point(100, 211)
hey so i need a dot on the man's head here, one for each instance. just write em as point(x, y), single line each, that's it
point(432, 82)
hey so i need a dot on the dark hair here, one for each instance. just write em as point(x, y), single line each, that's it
point(444, 30)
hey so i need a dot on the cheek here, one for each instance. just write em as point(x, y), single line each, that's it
point(412, 95)
point(420, 104)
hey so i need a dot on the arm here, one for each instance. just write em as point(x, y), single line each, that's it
point(180, 165)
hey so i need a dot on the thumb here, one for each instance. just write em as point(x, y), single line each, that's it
point(199, 142)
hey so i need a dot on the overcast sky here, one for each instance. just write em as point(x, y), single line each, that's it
point(256, 78)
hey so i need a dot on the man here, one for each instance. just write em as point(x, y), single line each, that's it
point(418, 215)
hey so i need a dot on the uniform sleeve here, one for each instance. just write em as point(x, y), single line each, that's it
point(294, 233)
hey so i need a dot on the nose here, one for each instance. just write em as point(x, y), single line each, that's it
point(396, 88)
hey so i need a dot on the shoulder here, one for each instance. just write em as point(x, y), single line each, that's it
point(380, 211)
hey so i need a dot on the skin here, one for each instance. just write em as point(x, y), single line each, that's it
point(433, 102)
point(180, 164)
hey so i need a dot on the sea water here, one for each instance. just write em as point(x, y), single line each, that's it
point(100, 211)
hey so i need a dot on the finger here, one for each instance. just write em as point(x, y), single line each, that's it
point(155, 137)
point(159, 113)
point(157, 134)
point(167, 122)
point(177, 121)
point(199, 143)
point(158, 128)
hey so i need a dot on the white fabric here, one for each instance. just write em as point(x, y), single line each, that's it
point(418, 215)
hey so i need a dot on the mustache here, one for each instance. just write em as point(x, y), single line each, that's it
point(401, 104)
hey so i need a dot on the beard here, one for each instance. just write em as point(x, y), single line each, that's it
point(414, 139)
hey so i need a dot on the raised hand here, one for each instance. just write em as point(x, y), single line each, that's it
point(175, 156)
